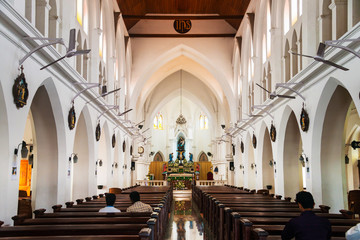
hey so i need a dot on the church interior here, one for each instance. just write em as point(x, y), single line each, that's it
point(214, 111)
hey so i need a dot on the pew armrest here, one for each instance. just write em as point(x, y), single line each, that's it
point(259, 234)
point(39, 212)
point(347, 213)
point(88, 199)
point(1, 223)
point(69, 204)
point(288, 199)
point(79, 201)
point(324, 208)
point(101, 195)
point(56, 208)
point(278, 196)
point(145, 234)
point(18, 219)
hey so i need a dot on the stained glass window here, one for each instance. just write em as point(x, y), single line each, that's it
point(159, 122)
point(204, 123)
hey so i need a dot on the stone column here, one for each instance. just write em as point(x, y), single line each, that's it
point(42, 16)
point(299, 48)
point(353, 9)
point(339, 18)
point(324, 21)
point(30, 11)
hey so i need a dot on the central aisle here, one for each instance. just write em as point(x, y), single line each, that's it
point(186, 221)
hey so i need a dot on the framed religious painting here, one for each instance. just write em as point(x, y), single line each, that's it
point(272, 133)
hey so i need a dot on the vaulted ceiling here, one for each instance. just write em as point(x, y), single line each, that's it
point(231, 11)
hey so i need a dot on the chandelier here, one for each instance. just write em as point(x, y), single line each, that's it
point(181, 119)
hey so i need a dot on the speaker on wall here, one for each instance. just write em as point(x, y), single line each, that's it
point(231, 166)
point(132, 166)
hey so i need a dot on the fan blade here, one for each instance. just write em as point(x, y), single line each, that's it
point(286, 96)
point(78, 52)
point(263, 88)
point(321, 50)
point(71, 40)
point(52, 63)
point(333, 64)
point(302, 55)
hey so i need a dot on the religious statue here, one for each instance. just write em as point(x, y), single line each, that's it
point(171, 155)
point(191, 157)
point(164, 168)
point(181, 144)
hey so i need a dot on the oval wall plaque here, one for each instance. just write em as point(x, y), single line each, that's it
point(273, 133)
point(182, 25)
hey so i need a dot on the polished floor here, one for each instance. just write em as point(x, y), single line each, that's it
point(186, 222)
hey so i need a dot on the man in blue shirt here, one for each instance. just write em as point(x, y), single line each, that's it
point(110, 201)
point(307, 226)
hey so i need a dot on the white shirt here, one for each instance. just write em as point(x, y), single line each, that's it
point(109, 209)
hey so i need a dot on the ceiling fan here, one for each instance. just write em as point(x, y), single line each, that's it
point(70, 51)
point(273, 94)
point(320, 57)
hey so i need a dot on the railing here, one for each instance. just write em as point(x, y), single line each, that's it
point(151, 182)
point(210, 182)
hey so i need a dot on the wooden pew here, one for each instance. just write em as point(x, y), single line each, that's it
point(61, 230)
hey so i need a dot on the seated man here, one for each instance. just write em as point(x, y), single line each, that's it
point(307, 225)
point(110, 200)
point(137, 205)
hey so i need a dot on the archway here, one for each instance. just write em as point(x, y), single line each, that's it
point(80, 187)
point(293, 168)
point(103, 162)
point(352, 133)
point(268, 163)
point(115, 166)
point(337, 123)
point(250, 166)
point(156, 166)
point(45, 151)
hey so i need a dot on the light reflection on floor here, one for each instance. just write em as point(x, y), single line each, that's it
point(185, 221)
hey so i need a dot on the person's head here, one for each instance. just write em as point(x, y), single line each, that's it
point(305, 200)
point(110, 199)
point(134, 196)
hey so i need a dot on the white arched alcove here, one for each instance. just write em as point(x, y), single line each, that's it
point(80, 181)
point(45, 170)
point(292, 150)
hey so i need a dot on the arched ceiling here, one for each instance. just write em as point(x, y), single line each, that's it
point(169, 88)
point(188, 65)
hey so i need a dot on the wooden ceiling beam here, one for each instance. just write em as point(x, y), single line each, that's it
point(134, 35)
point(173, 17)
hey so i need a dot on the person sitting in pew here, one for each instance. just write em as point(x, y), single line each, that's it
point(137, 205)
point(307, 226)
point(110, 201)
point(353, 233)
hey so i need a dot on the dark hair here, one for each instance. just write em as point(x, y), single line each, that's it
point(110, 199)
point(134, 196)
point(305, 199)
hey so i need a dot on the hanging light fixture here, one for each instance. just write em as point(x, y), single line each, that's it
point(181, 119)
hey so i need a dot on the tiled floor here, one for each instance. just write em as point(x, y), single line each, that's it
point(186, 222)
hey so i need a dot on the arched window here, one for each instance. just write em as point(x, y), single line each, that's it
point(286, 17)
point(158, 122)
point(102, 37)
point(268, 29)
point(79, 11)
point(294, 11)
point(203, 121)
point(264, 55)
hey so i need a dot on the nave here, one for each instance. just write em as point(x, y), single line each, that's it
point(205, 212)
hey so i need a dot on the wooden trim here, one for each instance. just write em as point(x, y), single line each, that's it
point(173, 17)
point(135, 35)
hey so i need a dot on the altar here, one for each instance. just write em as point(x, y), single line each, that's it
point(180, 181)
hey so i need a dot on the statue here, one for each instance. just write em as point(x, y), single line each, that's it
point(171, 155)
point(181, 144)
point(191, 157)
point(164, 168)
